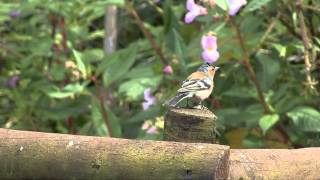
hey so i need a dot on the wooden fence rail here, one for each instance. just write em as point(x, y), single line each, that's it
point(36, 155)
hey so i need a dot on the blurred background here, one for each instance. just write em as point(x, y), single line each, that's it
point(105, 67)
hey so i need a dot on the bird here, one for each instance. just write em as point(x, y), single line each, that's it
point(198, 86)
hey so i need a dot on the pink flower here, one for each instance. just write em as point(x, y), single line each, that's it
point(149, 99)
point(152, 130)
point(194, 11)
point(167, 70)
point(146, 125)
point(209, 46)
point(235, 5)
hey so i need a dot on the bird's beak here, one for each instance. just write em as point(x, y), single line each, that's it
point(216, 68)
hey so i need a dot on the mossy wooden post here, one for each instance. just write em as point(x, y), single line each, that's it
point(190, 125)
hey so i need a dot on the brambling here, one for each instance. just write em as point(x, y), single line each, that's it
point(197, 87)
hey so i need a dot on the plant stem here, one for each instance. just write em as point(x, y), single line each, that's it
point(249, 68)
point(252, 74)
point(313, 8)
point(290, 28)
point(110, 27)
point(307, 46)
point(267, 32)
point(104, 113)
point(10, 50)
point(146, 33)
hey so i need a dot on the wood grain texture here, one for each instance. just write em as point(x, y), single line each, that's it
point(35, 155)
point(275, 164)
point(190, 125)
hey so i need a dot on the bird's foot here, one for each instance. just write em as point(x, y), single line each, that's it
point(200, 106)
point(197, 107)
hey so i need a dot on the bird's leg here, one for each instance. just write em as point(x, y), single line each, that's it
point(187, 103)
point(198, 106)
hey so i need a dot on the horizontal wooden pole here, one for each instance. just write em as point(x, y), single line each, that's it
point(275, 163)
point(35, 155)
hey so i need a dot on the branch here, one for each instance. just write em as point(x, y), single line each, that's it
point(313, 8)
point(110, 27)
point(307, 47)
point(267, 32)
point(146, 33)
point(10, 50)
point(290, 28)
point(249, 68)
point(246, 62)
point(100, 97)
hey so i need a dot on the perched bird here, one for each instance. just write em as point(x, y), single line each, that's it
point(197, 87)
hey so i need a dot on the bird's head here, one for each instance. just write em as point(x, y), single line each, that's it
point(208, 68)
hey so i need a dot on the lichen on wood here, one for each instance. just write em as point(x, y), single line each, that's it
point(190, 125)
point(35, 155)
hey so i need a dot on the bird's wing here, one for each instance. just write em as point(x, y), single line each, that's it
point(194, 85)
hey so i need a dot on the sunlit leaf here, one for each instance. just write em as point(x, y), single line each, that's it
point(255, 4)
point(80, 64)
point(118, 64)
point(305, 118)
point(267, 121)
point(222, 4)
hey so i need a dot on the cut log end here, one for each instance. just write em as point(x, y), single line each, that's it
point(190, 125)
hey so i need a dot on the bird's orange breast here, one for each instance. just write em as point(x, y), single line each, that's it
point(197, 75)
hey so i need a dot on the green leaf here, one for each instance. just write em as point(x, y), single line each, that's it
point(305, 118)
point(144, 115)
point(114, 122)
point(80, 64)
point(118, 65)
point(135, 87)
point(255, 4)
point(222, 4)
point(281, 49)
point(99, 125)
point(68, 91)
point(240, 92)
point(99, 121)
point(113, 2)
point(267, 121)
point(252, 141)
point(268, 71)
point(179, 48)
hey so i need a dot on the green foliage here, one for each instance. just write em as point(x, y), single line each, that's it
point(66, 83)
point(267, 121)
point(255, 4)
point(305, 118)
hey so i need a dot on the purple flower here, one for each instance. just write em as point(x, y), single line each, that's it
point(194, 11)
point(235, 5)
point(152, 130)
point(149, 99)
point(14, 14)
point(12, 81)
point(167, 70)
point(209, 46)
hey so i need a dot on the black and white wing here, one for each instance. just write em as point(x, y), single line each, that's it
point(194, 85)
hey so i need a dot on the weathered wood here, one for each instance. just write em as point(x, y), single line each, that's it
point(35, 155)
point(275, 163)
point(190, 125)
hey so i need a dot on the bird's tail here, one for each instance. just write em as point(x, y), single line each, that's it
point(179, 97)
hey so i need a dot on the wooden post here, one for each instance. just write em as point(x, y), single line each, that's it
point(190, 125)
